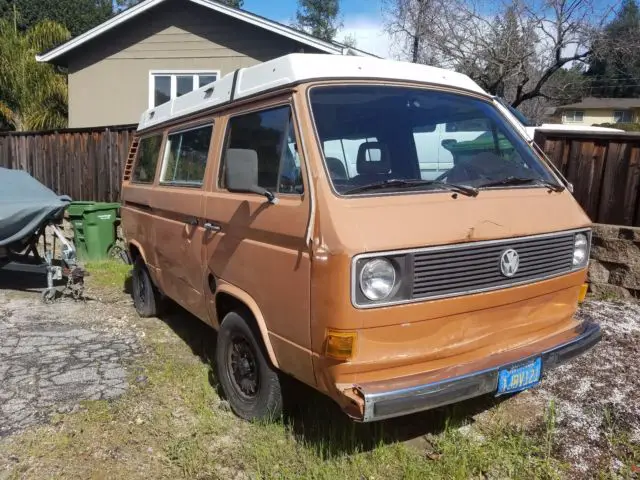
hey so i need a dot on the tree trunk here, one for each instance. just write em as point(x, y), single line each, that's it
point(414, 50)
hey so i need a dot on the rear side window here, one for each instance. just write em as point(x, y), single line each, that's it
point(271, 134)
point(185, 157)
point(148, 152)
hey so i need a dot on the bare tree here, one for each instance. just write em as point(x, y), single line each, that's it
point(350, 41)
point(408, 23)
point(513, 53)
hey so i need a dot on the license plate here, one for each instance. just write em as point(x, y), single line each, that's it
point(519, 378)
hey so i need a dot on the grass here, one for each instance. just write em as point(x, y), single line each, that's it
point(501, 451)
point(108, 273)
point(621, 447)
point(172, 424)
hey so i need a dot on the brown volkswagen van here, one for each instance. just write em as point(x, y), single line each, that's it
point(378, 230)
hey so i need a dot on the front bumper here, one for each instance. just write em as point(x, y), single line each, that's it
point(393, 403)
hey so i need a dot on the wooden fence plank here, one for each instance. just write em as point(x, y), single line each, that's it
point(632, 187)
point(611, 188)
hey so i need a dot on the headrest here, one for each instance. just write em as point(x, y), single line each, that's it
point(336, 169)
point(373, 159)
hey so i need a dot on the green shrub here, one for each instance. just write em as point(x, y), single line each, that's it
point(627, 127)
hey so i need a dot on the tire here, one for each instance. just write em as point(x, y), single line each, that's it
point(146, 297)
point(249, 381)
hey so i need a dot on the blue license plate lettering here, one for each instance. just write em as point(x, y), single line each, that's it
point(519, 378)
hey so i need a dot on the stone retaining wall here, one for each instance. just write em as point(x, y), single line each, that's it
point(615, 261)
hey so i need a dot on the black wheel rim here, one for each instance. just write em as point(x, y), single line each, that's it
point(243, 368)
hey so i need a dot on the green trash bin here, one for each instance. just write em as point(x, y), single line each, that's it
point(75, 212)
point(94, 226)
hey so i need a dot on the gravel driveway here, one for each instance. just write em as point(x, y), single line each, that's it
point(597, 395)
point(54, 356)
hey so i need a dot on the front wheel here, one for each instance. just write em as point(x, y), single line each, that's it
point(250, 383)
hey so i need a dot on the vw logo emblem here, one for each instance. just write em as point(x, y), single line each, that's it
point(509, 262)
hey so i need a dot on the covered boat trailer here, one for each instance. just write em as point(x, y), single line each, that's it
point(27, 209)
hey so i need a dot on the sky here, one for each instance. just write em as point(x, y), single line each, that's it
point(360, 18)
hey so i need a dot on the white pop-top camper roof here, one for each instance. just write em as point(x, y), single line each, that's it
point(296, 68)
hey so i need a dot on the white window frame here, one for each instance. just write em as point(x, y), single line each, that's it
point(174, 81)
point(623, 114)
point(572, 118)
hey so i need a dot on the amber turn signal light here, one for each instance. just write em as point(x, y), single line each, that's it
point(583, 292)
point(340, 345)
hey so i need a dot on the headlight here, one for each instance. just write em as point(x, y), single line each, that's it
point(377, 279)
point(580, 250)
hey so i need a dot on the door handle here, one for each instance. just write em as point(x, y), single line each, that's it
point(212, 226)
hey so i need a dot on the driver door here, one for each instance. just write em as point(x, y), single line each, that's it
point(260, 247)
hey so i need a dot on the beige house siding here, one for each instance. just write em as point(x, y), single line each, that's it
point(109, 77)
point(594, 116)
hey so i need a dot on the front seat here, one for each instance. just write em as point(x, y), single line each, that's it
point(336, 169)
point(370, 171)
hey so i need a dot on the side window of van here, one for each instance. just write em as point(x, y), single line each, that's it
point(270, 134)
point(185, 156)
point(148, 152)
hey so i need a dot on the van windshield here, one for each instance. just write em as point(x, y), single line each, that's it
point(413, 139)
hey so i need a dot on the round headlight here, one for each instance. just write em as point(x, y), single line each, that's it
point(580, 248)
point(377, 279)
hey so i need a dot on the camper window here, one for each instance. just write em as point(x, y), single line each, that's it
point(148, 151)
point(185, 158)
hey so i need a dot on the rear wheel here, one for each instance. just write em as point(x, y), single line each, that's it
point(146, 297)
point(249, 381)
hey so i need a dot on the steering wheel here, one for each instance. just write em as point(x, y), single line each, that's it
point(471, 172)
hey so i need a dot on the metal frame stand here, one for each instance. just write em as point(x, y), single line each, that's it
point(29, 260)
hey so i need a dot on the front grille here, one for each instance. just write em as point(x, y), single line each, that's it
point(461, 269)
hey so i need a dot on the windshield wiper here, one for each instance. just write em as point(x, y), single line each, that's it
point(400, 183)
point(523, 181)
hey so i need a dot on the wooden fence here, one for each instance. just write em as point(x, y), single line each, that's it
point(85, 164)
point(604, 169)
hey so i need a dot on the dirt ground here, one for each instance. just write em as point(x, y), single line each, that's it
point(595, 398)
point(53, 358)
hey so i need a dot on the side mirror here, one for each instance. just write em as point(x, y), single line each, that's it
point(241, 173)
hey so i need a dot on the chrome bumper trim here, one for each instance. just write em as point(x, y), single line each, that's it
point(381, 405)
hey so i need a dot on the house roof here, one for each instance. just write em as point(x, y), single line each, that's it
point(609, 103)
point(296, 68)
point(251, 18)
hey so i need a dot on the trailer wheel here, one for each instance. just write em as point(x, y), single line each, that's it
point(49, 295)
point(249, 381)
point(146, 297)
